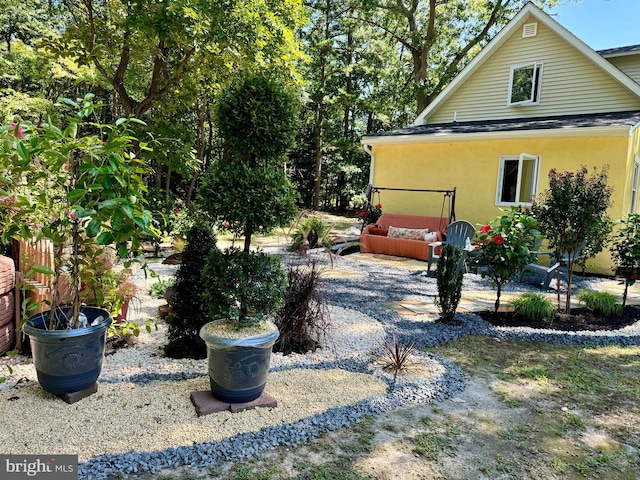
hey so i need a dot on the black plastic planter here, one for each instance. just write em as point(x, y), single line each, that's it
point(238, 367)
point(68, 361)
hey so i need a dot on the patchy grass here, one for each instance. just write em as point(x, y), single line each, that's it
point(435, 439)
point(580, 405)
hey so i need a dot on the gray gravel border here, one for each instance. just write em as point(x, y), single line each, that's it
point(366, 294)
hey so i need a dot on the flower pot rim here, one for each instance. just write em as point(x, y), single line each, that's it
point(258, 339)
point(34, 325)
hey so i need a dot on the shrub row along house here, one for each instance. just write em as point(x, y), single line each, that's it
point(535, 98)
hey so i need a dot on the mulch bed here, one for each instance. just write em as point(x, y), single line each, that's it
point(580, 319)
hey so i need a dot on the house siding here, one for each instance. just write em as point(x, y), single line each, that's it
point(629, 65)
point(472, 167)
point(571, 83)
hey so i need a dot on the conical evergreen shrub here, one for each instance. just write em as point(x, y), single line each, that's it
point(449, 282)
point(188, 312)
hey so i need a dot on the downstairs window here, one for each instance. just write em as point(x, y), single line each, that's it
point(517, 179)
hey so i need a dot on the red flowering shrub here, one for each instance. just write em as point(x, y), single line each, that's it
point(370, 214)
point(504, 247)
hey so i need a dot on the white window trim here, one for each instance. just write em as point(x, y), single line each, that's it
point(536, 174)
point(536, 86)
point(635, 180)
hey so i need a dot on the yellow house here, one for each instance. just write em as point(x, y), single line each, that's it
point(535, 98)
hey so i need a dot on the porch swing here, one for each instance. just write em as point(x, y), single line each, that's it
point(412, 234)
point(448, 199)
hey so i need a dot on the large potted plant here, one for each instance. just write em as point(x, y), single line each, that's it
point(247, 192)
point(77, 188)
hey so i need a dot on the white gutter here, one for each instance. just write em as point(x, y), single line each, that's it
point(567, 132)
point(632, 129)
point(367, 148)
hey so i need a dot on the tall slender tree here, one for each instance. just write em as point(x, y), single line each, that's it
point(572, 214)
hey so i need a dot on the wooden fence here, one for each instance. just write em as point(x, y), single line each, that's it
point(40, 253)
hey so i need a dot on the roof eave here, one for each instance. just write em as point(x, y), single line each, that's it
point(529, 8)
point(620, 54)
point(619, 131)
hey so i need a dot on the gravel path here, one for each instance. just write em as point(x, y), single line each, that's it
point(142, 420)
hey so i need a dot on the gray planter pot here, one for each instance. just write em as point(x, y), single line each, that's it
point(238, 367)
point(68, 361)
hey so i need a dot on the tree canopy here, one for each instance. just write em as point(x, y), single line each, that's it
point(362, 66)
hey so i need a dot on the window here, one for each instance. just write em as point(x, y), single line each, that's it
point(634, 186)
point(517, 179)
point(525, 84)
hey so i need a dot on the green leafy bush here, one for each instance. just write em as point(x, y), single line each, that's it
point(188, 313)
point(572, 214)
point(304, 318)
point(159, 288)
point(604, 303)
point(534, 306)
point(312, 232)
point(243, 285)
point(505, 246)
point(626, 251)
point(449, 281)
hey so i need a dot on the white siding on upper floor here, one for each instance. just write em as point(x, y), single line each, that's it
point(629, 64)
point(571, 83)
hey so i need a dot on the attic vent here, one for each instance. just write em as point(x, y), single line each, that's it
point(530, 30)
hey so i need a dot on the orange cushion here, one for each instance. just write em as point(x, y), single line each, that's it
point(378, 231)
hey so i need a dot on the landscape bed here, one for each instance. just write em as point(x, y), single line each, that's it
point(311, 389)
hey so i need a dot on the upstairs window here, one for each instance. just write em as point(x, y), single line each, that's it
point(524, 84)
point(517, 180)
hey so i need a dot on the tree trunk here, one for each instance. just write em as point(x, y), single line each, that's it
point(202, 115)
point(567, 307)
point(317, 172)
point(192, 187)
point(167, 188)
point(248, 232)
point(158, 178)
point(319, 127)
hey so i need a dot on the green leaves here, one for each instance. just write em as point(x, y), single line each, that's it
point(42, 269)
point(505, 246)
point(105, 238)
point(75, 195)
point(77, 190)
point(573, 215)
point(93, 228)
point(258, 118)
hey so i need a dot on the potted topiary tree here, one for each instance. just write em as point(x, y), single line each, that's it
point(76, 187)
point(248, 192)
